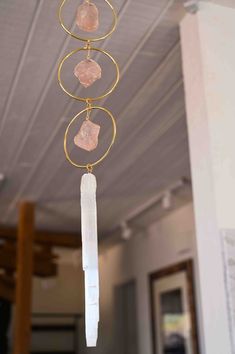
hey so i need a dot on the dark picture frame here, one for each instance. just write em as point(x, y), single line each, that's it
point(173, 297)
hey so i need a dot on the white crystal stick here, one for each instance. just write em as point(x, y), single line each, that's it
point(90, 256)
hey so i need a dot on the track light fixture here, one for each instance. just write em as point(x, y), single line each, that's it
point(126, 231)
point(167, 200)
point(191, 6)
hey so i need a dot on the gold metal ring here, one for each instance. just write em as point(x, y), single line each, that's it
point(85, 99)
point(88, 39)
point(90, 164)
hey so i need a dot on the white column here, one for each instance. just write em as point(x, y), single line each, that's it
point(208, 51)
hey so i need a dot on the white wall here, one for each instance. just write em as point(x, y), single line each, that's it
point(168, 241)
point(64, 293)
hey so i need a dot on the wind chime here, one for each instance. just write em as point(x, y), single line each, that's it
point(87, 72)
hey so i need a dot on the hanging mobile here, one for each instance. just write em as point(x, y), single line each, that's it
point(87, 72)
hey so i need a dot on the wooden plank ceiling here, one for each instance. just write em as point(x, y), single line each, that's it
point(151, 150)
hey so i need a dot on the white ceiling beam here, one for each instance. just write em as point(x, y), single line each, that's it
point(42, 96)
point(146, 36)
point(151, 138)
point(20, 64)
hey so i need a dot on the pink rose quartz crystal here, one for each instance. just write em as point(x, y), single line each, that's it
point(87, 72)
point(87, 17)
point(87, 137)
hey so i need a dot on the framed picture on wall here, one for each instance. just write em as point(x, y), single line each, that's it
point(174, 328)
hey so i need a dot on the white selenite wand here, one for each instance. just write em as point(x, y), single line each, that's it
point(90, 256)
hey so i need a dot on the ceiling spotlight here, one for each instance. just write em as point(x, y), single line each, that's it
point(126, 231)
point(167, 200)
point(191, 6)
point(2, 177)
point(2, 180)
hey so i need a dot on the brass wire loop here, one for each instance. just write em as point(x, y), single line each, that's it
point(89, 166)
point(88, 100)
point(89, 107)
point(84, 99)
point(96, 39)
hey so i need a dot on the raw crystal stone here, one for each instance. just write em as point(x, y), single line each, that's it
point(90, 256)
point(87, 17)
point(87, 72)
point(87, 137)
